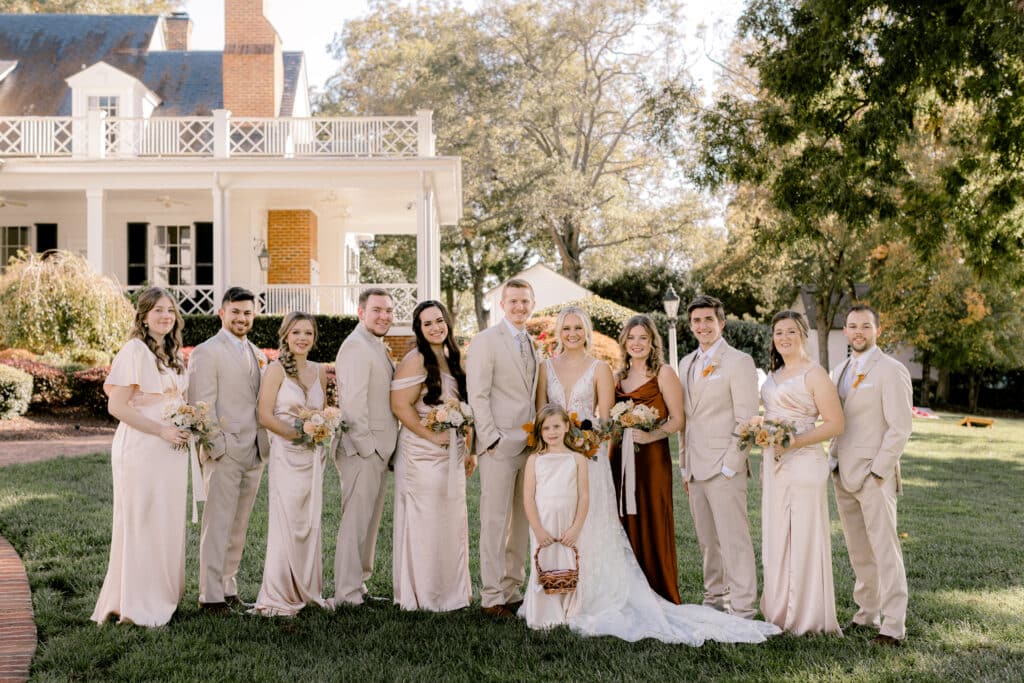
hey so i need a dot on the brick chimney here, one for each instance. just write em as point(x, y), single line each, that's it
point(178, 34)
point(253, 77)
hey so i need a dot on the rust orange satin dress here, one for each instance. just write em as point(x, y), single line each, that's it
point(652, 530)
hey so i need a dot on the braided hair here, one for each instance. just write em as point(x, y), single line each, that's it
point(284, 355)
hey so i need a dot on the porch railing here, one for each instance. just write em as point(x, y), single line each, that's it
point(281, 299)
point(219, 136)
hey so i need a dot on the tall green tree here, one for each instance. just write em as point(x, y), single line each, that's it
point(551, 107)
point(840, 86)
point(89, 6)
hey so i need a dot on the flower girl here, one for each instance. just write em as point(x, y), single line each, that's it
point(556, 498)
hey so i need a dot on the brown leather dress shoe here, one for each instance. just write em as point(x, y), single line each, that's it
point(498, 612)
point(886, 641)
point(513, 607)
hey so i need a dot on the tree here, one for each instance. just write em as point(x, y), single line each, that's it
point(89, 6)
point(551, 112)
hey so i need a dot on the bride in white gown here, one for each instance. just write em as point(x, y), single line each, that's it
point(614, 597)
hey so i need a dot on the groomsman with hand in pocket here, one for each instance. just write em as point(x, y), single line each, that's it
point(225, 372)
point(719, 392)
point(877, 402)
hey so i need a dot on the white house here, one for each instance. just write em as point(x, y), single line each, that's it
point(199, 170)
point(838, 347)
point(550, 289)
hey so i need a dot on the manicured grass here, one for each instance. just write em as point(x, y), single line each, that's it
point(964, 549)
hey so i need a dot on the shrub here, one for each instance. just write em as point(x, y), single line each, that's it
point(642, 288)
point(607, 316)
point(87, 390)
point(50, 385)
point(603, 347)
point(15, 392)
point(58, 303)
point(332, 331)
point(17, 354)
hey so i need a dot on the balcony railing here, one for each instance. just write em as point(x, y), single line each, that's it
point(217, 136)
point(281, 299)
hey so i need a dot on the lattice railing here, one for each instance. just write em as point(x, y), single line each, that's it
point(332, 299)
point(31, 136)
point(190, 298)
point(160, 137)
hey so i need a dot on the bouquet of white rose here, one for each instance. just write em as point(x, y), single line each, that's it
point(452, 414)
point(629, 415)
point(765, 433)
point(195, 419)
point(318, 427)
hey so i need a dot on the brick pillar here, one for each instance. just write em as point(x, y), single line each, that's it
point(178, 35)
point(292, 243)
point(400, 345)
point(253, 77)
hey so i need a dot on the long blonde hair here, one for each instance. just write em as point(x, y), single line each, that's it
point(588, 327)
point(168, 355)
point(657, 356)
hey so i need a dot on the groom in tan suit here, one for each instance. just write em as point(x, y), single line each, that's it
point(501, 379)
point(225, 371)
point(364, 371)
point(719, 390)
point(877, 401)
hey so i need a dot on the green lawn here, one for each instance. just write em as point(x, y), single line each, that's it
point(964, 547)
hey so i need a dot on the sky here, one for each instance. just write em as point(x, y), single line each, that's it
point(309, 26)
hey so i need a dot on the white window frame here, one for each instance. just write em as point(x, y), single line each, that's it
point(161, 253)
point(9, 249)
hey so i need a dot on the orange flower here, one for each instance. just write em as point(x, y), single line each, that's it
point(860, 378)
point(528, 428)
point(708, 370)
point(762, 438)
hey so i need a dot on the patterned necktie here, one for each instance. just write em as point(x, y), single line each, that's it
point(525, 354)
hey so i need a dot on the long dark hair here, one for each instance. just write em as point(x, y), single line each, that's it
point(775, 361)
point(167, 355)
point(284, 354)
point(430, 362)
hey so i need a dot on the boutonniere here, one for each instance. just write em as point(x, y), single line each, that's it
point(711, 367)
point(387, 349)
point(261, 359)
point(860, 378)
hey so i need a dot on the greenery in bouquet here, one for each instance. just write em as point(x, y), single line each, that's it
point(629, 415)
point(586, 436)
point(766, 434)
point(318, 427)
point(451, 414)
point(195, 419)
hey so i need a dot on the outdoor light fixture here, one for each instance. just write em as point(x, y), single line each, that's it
point(259, 247)
point(671, 304)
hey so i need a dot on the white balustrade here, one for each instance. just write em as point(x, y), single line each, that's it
point(218, 135)
point(281, 299)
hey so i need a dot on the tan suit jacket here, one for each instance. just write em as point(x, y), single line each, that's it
point(714, 405)
point(220, 377)
point(500, 393)
point(229, 383)
point(364, 373)
point(879, 420)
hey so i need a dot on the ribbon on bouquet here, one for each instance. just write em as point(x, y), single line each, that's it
point(198, 488)
point(453, 462)
point(316, 494)
point(627, 492)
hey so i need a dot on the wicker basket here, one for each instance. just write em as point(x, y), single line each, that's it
point(557, 580)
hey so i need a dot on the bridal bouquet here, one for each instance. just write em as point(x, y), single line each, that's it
point(586, 436)
point(452, 414)
point(766, 434)
point(318, 427)
point(628, 415)
point(195, 419)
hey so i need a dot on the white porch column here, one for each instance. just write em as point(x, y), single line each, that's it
point(220, 265)
point(96, 130)
point(425, 132)
point(428, 244)
point(221, 131)
point(94, 228)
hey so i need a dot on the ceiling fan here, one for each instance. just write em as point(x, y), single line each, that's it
point(168, 202)
point(4, 202)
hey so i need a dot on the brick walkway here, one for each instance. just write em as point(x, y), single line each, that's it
point(17, 629)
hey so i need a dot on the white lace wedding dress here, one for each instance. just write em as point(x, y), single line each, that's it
point(615, 599)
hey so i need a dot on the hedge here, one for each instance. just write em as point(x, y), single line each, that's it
point(15, 392)
point(332, 331)
point(50, 385)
